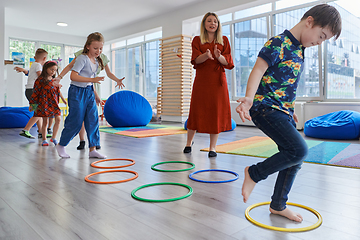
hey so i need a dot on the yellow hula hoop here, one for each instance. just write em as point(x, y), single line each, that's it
point(317, 224)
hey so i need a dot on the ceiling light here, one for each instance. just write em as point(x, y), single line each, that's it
point(61, 24)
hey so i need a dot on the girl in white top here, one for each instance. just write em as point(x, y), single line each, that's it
point(81, 98)
point(105, 61)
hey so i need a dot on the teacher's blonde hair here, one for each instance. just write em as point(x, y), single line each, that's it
point(204, 38)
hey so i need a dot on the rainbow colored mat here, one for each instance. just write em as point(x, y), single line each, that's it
point(150, 130)
point(332, 153)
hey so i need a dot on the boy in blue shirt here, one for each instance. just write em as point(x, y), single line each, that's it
point(270, 99)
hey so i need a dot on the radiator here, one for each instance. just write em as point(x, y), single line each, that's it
point(299, 110)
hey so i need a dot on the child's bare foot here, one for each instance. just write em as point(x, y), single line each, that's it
point(248, 185)
point(288, 214)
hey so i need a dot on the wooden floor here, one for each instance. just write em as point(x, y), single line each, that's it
point(45, 197)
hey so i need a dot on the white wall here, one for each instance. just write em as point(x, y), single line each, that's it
point(2, 54)
point(299, 110)
point(15, 84)
point(35, 35)
point(315, 109)
point(105, 86)
point(305, 111)
point(171, 22)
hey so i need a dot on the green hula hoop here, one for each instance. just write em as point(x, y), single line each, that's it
point(178, 170)
point(161, 200)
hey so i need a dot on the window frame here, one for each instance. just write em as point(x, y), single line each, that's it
point(322, 50)
point(39, 43)
point(322, 79)
point(25, 40)
point(267, 16)
point(142, 62)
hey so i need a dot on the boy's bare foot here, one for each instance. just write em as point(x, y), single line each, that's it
point(288, 214)
point(248, 185)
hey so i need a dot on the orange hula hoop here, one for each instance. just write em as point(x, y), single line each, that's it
point(113, 159)
point(111, 182)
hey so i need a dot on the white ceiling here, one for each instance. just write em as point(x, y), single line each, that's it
point(85, 16)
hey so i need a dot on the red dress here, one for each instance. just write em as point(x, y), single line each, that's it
point(46, 96)
point(210, 105)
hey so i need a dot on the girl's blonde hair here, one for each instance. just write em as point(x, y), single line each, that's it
point(96, 36)
point(204, 37)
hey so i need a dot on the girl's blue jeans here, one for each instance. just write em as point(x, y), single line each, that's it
point(82, 108)
point(281, 128)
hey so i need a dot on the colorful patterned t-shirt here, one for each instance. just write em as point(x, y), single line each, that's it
point(277, 89)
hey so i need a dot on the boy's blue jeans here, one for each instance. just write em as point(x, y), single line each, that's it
point(281, 128)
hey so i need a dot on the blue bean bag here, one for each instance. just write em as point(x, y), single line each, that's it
point(233, 125)
point(14, 117)
point(127, 109)
point(337, 125)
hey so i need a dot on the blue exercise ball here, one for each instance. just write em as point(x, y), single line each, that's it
point(340, 125)
point(14, 117)
point(127, 109)
point(233, 125)
point(185, 125)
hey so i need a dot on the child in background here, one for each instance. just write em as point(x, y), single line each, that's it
point(105, 61)
point(50, 120)
point(270, 98)
point(45, 100)
point(81, 97)
point(33, 73)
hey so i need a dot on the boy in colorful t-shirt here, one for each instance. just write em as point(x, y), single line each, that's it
point(270, 99)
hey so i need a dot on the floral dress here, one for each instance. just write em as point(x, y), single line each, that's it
point(46, 98)
point(285, 56)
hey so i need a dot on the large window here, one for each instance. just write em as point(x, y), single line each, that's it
point(69, 54)
point(134, 69)
point(250, 37)
point(226, 32)
point(22, 46)
point(330, 71)
point(138, 59)
point(60, 52)
point(119, 64)
point(343, 60)
point(310, 81)
point(151, 68)
point(54, 51)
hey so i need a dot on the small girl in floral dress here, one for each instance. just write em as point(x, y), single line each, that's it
point(45, 100)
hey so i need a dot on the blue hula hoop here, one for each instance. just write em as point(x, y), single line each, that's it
point(214, 170)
